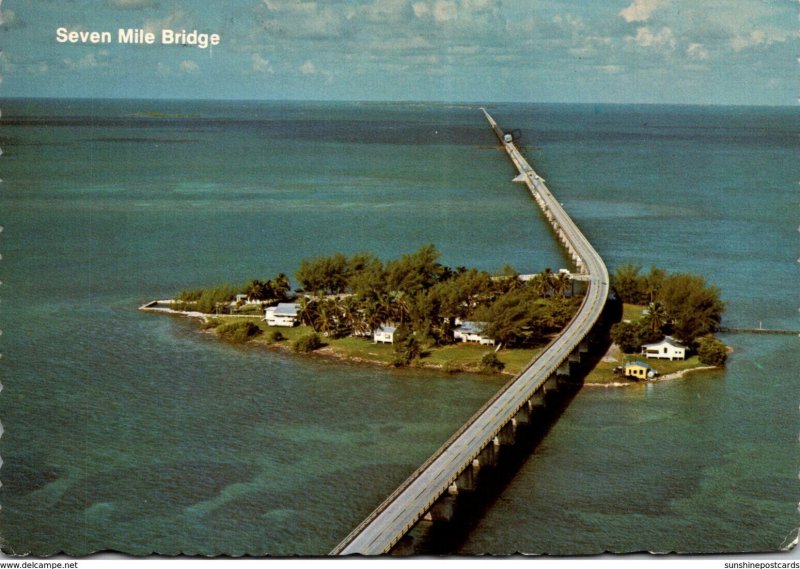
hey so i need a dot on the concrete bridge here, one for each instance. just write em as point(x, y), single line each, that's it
point(428, 492)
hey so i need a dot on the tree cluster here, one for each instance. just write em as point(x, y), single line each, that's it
point(218, 299)
point(681, 305)
point(417, 293)
point(208, 300)
point(711, 351)
point(307, 343)
point(238, 332)
point(272, 290)
point(631, 336)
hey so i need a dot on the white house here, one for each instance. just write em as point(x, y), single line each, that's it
point(284, 314)
point(384, 335)
point(472, 332)
point(667, 349)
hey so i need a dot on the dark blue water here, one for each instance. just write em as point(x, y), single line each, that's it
point(134, 432)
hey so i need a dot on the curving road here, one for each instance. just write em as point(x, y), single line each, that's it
point(393, 518)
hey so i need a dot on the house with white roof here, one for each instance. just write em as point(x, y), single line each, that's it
point(283, 314)
point(667, 349)
point(384, 335)
point(472, 332)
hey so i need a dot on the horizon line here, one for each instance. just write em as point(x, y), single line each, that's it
point(387, 101)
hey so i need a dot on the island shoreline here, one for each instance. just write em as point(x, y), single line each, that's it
point(329, 353)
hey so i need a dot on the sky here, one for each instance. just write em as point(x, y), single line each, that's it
point(742, 52)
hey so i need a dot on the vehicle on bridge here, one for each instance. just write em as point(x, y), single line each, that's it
point(512, 135)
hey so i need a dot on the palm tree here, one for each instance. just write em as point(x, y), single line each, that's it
point(328, 317)
point(309, 311)
point(626, 281)
point(505, 280)
point(406, 346)
point(561, 283)
point(352, 316)
point(356, 315)
point(281, 286)
point(652, 283)
point(256, 290)
point(543, 283)
point(400, 308)
point(374, 312)
point(657, 316)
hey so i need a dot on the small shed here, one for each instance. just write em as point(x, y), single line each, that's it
point(638, 370)
point(384, 335)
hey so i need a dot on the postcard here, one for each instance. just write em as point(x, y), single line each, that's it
point(398, 277)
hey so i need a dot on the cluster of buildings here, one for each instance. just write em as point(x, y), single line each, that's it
point(666, 349)
point(286, 314)
point(464, 332)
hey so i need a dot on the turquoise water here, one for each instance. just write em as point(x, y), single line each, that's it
point(134, 432)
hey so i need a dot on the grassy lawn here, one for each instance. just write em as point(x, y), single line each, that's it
point(604, 374)
point(666, 367)
point(632, 312)
point(351, 347)
point(517, 360)
point(290, 334)
point(466, 357)
point(455, 357)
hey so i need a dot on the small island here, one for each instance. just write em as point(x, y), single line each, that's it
point(666, 331)
point(415, 311)
point(410, 311)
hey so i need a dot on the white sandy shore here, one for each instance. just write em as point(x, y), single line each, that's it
point(669, 376)
point(151, 307)
point(679, 374)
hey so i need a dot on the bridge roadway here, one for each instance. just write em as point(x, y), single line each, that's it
point(398, 514)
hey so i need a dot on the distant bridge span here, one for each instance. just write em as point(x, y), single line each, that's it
point(478, 437)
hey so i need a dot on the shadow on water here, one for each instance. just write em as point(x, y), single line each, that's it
point(445, 537)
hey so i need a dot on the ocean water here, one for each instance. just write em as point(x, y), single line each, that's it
point(134, 432)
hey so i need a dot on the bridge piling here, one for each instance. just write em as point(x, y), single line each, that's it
point(468, 480)
point(507, 435)
point(523, 416)
point(443, 510)
point(488, 455)
point(537, 399)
